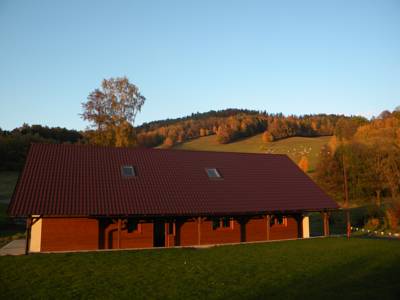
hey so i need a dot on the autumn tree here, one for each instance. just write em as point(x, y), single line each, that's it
point(168, 142)
point(267, 137)
point(303, 164)
point(224, 134)
point(112, 110)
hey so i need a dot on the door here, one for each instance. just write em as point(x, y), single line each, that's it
point(159, 234)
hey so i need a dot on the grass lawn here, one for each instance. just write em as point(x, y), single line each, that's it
point(329, 268)
point(8, 181)
point(294, 147)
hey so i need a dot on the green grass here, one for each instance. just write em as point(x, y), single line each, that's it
point(309, 269)
point(8, 181)
point(294, 147)
point(8, 230)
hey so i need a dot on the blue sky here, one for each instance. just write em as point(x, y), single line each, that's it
point(294, 57)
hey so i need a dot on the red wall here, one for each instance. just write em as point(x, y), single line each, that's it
point(135, 239)
point(220, 235)
point(256, 230)
point(282, 232)
point(187, 233)
point(63, 234)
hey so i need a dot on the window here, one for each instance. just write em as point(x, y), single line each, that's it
point(279, 220)
point(216, 224)
point(226, 222)
point(133, 226)
point(128, 171)
point(221, 223)
point(213, 173)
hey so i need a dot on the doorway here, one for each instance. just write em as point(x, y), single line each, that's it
point(158, 233)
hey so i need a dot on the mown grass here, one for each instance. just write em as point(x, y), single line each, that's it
point(294, 147)
point(8, 181)
point(308, 269)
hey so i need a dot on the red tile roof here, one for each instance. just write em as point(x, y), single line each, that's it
point(78, 180)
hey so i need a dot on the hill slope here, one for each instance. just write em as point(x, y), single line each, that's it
point(294, 147)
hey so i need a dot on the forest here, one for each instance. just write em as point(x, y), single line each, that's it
point(233, 124)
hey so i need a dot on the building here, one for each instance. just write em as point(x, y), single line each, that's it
point(78, 197)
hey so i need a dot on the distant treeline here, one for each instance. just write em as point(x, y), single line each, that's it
point(233, 124)
point(228, 125)
point(14, 144)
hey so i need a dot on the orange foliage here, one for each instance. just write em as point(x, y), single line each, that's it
point(168, 142)
point(267, 137)
point(303, 164)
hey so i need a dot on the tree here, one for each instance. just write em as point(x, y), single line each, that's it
point(267, 137)
point(303, 164)
point(168, 142)
point(112, 110)
point(224, 134)
point(347, 127)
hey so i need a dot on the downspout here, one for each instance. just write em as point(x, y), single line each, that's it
point(28, 234)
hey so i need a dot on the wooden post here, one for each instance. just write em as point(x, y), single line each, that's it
point(243, 232)
point(119, 233)
point(326, 223)
point(28, 234)
point(166, 233)
point(199, 230)
point(299, 219)
point(346, 199)
point(173, 234)
point(268, 226)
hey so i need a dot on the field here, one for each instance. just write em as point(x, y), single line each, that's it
point(294, 147)
point(328, 268)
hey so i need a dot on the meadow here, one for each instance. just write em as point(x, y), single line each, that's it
point(321, 268)
point(294, 147)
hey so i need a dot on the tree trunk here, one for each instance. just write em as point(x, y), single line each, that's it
point(378, 198)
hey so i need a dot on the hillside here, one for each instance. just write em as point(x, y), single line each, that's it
point(294, 147)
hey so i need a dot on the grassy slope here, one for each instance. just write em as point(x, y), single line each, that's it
point(7, 182)
point(294, 147)
point(308, 269)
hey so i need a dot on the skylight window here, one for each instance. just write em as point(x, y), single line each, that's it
point(213, 173)
point(128, 171)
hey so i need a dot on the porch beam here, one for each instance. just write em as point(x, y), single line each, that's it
point(28, 234)
point(199, 230)
point(119, 234)
point(326, 223)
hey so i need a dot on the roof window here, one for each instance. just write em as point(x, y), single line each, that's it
point(128, 171)
point(213, 173)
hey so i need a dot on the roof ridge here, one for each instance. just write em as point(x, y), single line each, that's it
point(66, 145)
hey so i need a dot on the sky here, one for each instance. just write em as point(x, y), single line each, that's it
point(294, 57)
